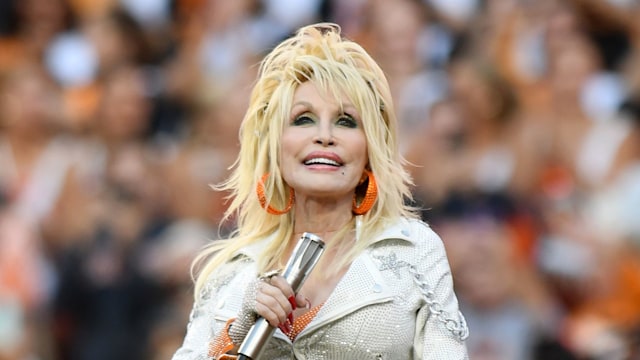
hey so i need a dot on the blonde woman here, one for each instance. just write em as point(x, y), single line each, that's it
point(319, 154)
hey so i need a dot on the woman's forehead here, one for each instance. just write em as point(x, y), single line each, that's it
point(339, 95)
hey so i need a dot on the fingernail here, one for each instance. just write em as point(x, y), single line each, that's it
point(292, 301)
point(286, 326)
point(308, 303)
point(290, 318)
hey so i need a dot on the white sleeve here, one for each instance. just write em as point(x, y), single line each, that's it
point(219, 301)
point(199, 331)
point(440, 327)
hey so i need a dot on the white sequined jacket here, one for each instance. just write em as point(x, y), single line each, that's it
point(376, 311)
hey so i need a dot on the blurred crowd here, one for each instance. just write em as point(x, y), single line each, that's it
point(520, 120)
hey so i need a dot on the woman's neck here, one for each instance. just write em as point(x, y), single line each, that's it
point(326, 218)
point(322, 229)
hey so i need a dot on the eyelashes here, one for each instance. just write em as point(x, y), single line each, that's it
point(303, 119)
point(348, 121)
point(344, 120)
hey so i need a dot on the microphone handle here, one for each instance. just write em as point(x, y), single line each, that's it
point(256, 339)
point(303, 259)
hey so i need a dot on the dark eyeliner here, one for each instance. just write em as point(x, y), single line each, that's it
point(302, 119)
point(347, 120)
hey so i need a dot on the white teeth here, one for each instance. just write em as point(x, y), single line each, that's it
point(321, 161)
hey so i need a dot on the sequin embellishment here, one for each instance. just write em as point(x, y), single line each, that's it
point(302, 321)
point(391, 262)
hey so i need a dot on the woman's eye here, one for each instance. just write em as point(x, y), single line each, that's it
point(347, 121)
point(303, 120)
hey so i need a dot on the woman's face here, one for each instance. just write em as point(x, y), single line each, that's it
point(323, 147)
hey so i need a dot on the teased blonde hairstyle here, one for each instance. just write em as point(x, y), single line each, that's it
point(316, 53)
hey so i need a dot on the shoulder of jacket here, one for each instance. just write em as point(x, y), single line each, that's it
point(424, 236)
point(412, 230)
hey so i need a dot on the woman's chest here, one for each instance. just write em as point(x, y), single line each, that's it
point(370, 313)
point(383, 330)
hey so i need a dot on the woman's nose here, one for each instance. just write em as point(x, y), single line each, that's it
point(325, 135)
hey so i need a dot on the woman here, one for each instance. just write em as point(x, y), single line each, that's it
point(319, 154)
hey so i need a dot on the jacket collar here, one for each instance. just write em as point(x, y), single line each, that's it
point(399, 229)
point(363, 284)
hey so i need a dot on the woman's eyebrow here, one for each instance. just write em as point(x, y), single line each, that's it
point(346, 106)
point(302, 103)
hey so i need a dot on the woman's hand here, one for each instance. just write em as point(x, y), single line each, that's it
point(275, 302)
point(268, 296)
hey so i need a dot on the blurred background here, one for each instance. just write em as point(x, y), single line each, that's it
point(521, 119)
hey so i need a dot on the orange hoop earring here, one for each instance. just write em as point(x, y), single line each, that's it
point(263, 199)
point(369, 197)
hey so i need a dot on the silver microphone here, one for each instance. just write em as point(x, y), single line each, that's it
point(302, 260)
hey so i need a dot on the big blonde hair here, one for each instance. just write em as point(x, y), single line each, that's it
point(315, 53)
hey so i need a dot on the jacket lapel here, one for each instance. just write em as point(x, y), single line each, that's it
point(362, 285)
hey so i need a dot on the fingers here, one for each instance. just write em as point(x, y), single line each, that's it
point(273, 304)
point(302, 302)
point(282, 284)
